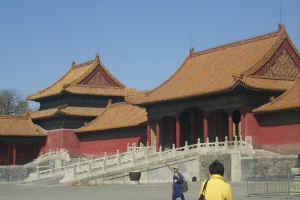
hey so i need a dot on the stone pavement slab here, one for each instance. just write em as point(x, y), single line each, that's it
point(111, 192)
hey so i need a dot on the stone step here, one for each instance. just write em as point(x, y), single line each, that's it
point(48, 181)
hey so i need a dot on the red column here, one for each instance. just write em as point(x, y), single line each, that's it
point(148, 134)
point(205, 126)
point(243, 119)
point(157, 127)
point(230, 126)
point(192, 118)
point(177, 131)
point(14, 154)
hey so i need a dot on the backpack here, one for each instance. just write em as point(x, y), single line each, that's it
point(184, 186)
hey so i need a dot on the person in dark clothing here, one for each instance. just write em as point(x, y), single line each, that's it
point(177, 185)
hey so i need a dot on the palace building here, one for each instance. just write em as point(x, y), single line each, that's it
point(119, 125)
point(214, 92)
point(78, 97)
point(280, 122)
point(88, 92)
point(20, 139)
point(243, 90)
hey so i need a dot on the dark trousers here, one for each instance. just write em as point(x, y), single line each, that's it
point(175, 197)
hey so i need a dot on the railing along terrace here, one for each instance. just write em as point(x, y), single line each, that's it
point(136, 157)
point(287, 186)
point(52, 154)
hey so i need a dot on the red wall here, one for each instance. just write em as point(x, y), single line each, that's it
point(282, 138)
point(109, 141)
point(98, 147)
point(95, 143)
point(61, 138)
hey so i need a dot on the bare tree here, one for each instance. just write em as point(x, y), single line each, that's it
point(11, 103)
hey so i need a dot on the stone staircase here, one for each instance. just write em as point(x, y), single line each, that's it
point(136, 159)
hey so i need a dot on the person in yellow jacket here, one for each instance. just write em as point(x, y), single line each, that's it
point(216, 188)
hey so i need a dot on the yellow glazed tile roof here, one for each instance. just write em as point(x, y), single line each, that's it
point(20, 125)
point(95, 90)
point(215, 70)
point(116, 115)
point(67, 110)
point(288, 100)
point(70, 81)
point(268, 84)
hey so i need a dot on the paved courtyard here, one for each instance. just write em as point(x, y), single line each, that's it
point(113, 192)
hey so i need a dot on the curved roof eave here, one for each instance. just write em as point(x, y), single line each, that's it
point(280, 35)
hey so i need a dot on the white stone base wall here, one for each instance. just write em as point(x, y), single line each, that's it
point(195, 167)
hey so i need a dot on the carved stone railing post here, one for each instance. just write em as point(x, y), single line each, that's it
point(198, 144)
point(118, 157)
point(38, 172)
point(226, 142)
point(133, 157)
point(159, 153)
point(248, 141)
point(105, 161)
point(90, 166)
point(217, 143)
point(235, 143)
point(207, 142)
point(141, 147)
point(186, 147)
point(146, 154)
point(79, 164)
point(52, 170)
point(74, 171)
point(128, 147)
point(174, 150)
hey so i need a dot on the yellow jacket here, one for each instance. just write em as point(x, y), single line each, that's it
point(217, 188)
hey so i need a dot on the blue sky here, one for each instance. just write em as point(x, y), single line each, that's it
point(141, 42)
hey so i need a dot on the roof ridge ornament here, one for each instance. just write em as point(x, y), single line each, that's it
point(192, 51)
point(237, 76)
point(272, 99)
point(281, 27)
point(27, 115)
point(63, 106)
point(97, 58)
point(109, 103)
point(66, 85)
